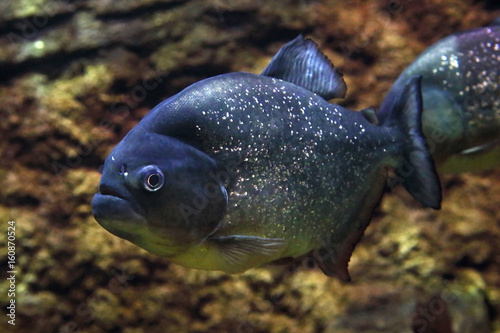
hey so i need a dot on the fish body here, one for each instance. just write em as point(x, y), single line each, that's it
point(243, 169)
point(461, 99)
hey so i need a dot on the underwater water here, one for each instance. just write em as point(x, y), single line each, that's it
point(76, 76)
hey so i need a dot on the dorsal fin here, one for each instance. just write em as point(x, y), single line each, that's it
point(302, 63)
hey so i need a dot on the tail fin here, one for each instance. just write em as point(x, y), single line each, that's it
point(416, 170)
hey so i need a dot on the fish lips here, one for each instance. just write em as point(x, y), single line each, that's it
point(116, 215)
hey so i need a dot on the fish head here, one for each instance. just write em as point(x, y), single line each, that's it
point(159, 193)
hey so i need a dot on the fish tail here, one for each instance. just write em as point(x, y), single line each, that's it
point(415, 168)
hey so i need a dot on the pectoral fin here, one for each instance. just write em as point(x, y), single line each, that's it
point(472, 160)
point(480, 149)
point(243, 252)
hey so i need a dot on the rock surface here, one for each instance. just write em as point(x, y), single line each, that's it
point(78, 75)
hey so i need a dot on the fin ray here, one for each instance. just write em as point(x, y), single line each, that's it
point(416, 169)
point(247, 251)
point(302, 63)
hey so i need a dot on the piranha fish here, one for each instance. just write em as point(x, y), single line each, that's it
point(461, 99)
point(241, 169)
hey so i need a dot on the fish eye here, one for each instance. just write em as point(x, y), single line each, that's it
point(152, 178)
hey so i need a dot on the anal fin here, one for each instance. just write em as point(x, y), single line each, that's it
point(336, 250)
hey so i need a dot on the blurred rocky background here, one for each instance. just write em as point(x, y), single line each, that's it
point(77, 75)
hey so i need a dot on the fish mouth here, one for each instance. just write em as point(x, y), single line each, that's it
point(115, 213)
point(109, 190)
